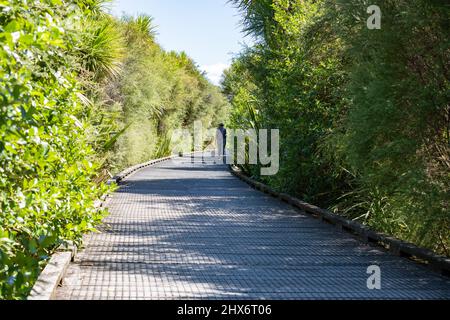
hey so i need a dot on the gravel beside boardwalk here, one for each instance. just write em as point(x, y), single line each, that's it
point(193, 231)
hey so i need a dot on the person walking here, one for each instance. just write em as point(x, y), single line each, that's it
point(221, 139)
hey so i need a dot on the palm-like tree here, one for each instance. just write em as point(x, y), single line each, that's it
point(257, 16)
point(140, 28)
point(101, 49)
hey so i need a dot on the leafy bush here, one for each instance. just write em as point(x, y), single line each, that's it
point(396, 133)
point(363, 114)
point(46, 174)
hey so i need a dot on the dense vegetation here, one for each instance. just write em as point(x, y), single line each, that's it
point(82, 95)
point(364, 115)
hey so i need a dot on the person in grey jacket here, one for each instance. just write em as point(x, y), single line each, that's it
point(221, 138)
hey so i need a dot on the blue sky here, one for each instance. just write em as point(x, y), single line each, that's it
point(208, 30)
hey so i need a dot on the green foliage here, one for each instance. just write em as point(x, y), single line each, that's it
point(101, 47)
point(46, 174)
point(75, 107)
point(396, 130)
point(291, 90)
point(363, 114)
point(158, 92)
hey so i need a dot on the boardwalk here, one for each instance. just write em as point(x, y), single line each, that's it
point(184, 231)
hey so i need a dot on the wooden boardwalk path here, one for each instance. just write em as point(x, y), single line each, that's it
point(179, 230)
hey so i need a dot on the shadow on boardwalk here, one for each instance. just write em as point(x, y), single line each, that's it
point(187, 232)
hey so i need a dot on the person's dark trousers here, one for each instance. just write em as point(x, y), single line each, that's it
point(224, 155)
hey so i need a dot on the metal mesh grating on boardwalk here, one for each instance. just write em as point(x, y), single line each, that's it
point(192, 231)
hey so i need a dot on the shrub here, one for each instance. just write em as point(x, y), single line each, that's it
point(45, 169)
